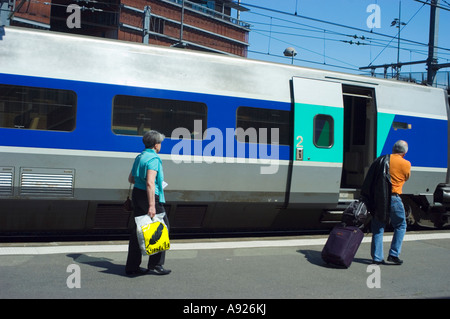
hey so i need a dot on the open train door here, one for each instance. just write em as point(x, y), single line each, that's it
point(360, 120)
point(318, 142)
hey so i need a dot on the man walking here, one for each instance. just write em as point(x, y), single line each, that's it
point(381, 191)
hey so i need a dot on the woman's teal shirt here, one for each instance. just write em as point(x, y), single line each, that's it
point(148, 159)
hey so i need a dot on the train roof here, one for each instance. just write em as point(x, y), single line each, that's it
point(83, 58)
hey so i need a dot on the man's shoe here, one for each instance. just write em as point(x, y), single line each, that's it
point(158, 269)
point(395, 260)
point(137, 272)
point(381, 262)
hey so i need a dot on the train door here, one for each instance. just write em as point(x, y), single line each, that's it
point(318, 141)
point(359, 134)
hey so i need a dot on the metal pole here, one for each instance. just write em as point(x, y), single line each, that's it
point(433, 41)
point(146, 24)
point(5, 10)
point(398, 44)
point(182, 21)
point(238, 17)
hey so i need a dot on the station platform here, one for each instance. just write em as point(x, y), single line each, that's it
point(255, 269)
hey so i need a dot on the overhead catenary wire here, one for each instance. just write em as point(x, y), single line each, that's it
point(329, 33)
point(314, 29)
point(329, 23)
point(349, 66)
point(371, 32)
point(400, 28)
point(310, 61)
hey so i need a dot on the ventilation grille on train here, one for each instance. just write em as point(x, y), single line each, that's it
point(189, 216)
point(46, 182)
point(111, 216)
point(6, 181)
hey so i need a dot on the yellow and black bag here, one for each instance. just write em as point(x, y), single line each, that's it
point(152, 234)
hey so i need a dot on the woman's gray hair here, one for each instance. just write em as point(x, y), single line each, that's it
point(151, 138)
point(400, 147)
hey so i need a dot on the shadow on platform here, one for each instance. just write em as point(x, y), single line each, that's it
point(105, 263)
point(315, 258)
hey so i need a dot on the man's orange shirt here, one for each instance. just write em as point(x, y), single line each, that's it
point(400, 170)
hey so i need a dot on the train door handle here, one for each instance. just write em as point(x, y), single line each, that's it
point(299, 154)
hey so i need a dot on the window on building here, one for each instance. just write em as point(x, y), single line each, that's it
point(323, 131)
point(37, 108)
point(157, 25)
point(134, 115)
point(261, 121)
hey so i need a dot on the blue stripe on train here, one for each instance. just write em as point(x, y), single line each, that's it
point(427, 140)
point(94, 117)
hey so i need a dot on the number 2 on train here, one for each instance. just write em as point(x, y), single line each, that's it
point(299, 144)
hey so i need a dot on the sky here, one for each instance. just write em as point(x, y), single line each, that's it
point(321, 45)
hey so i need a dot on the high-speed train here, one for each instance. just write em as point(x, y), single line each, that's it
point(249, 145)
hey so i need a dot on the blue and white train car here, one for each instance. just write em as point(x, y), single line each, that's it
point(249, 145)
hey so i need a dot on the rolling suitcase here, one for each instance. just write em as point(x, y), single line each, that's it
point(341, 246)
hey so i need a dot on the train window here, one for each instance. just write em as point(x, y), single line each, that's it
point(401, 126)
point(37, 108)
point(134, 115)
point(263, 120)
point(323, 131)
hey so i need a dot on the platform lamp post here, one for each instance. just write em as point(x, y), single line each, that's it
point(290, 52)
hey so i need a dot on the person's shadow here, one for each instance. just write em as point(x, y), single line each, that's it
point(100, 262)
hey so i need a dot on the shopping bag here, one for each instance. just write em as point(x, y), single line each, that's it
point(152, 234)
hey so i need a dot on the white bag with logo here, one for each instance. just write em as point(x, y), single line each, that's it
point(152, 234)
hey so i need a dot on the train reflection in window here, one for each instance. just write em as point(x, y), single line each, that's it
point(37, 108)
point(323, 131)
point(134, 115)
point(261, 118)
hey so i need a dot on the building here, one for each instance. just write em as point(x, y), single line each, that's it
point(196, 24)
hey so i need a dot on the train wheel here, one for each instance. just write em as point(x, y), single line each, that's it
point(412, 212)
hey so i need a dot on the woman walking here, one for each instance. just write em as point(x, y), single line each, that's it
point(148, 198)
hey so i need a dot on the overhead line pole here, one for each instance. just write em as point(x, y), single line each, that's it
point(432, 65)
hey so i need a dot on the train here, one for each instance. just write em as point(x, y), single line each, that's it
point(250, 145)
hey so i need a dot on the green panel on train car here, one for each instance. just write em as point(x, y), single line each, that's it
point(384, 124)
point(318, 130)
